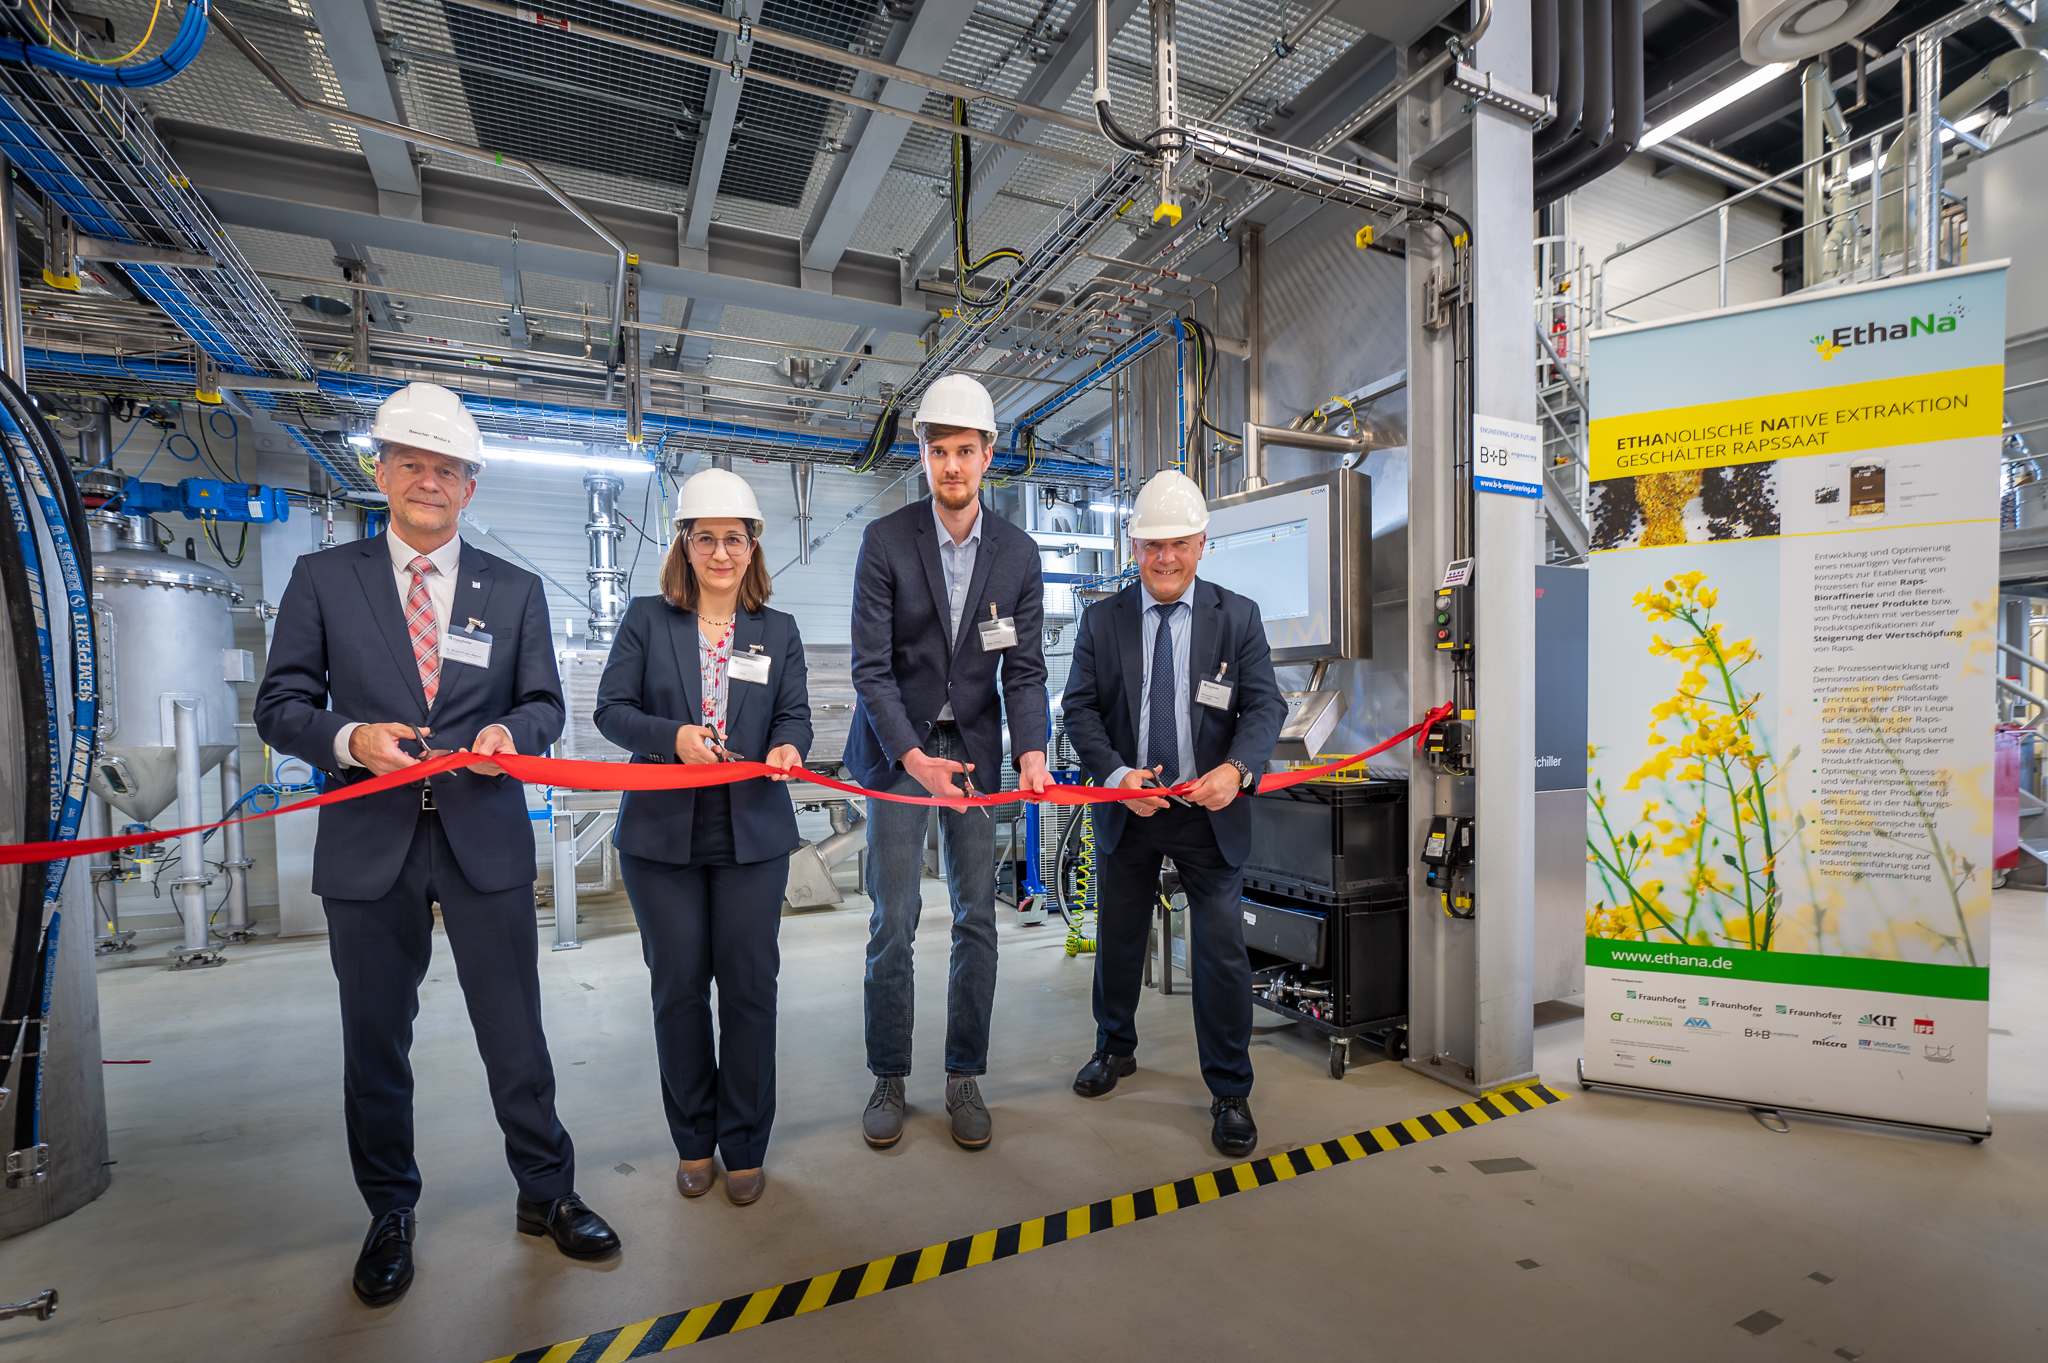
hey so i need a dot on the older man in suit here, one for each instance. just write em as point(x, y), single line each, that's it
point(378, 645)
point(1172, 682)
point(947, 607)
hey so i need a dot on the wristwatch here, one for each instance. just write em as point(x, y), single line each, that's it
point(1246, 780)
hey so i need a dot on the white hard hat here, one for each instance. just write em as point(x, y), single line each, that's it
point(428, 417)
point(1170, 507)
point(956, 400)
point(715, 493)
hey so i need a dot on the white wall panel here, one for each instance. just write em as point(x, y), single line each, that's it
point(1628, 204)
point(539, 511)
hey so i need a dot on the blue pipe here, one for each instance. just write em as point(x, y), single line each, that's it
point(682, 428)
point(184, 49)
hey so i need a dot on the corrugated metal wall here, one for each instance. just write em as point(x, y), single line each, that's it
point(1629, 203)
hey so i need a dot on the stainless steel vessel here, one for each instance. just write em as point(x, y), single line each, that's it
point(166, 639)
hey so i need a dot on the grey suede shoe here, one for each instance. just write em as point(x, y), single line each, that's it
point(882, 1124)
point(971, 1124)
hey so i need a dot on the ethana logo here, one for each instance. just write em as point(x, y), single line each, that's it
point(1831, 344)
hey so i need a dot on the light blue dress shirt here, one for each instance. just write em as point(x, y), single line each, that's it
point(956, 561)
point(1180, 620)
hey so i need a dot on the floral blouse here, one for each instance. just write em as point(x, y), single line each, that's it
point(712, 658)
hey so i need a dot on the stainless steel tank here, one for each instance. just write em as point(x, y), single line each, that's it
point(165, 639)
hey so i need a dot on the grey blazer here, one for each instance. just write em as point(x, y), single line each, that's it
point(906, 668)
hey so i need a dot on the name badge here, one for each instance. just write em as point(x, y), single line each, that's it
point(1214, 694)
point(748, 667)
point(467, 646)
point(997, 632)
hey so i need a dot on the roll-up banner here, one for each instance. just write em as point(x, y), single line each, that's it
point(1793, 605)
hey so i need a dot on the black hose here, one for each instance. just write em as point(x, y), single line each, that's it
point(1110, 129)
point(34, 755)
point(1571, 77)
point(1543, 46)
point(1627, 132)
point(1597, 118)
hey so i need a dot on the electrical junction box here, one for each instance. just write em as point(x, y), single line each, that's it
point(1447, 853)
point(1451, 623)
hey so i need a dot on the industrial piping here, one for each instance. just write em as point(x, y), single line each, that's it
point(1568, 172)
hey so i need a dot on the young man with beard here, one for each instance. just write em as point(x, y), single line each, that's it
point(947, 605)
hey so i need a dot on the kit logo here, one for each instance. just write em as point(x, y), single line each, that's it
point(1940, 1055)
point(1830, 344)
point(1924, 1026)
point(1878, 1020)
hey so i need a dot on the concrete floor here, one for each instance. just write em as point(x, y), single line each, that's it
point(1653, 1226)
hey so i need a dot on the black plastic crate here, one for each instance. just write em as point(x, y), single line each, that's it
point(1331, 842)
point(1359, 950)
point(1291, 934)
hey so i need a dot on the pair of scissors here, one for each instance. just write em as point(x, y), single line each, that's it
point(1153, 783)
point(427, 751)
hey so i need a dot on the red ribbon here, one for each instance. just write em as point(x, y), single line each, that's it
point(560, 772)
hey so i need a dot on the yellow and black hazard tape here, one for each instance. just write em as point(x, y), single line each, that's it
point(749, 1309)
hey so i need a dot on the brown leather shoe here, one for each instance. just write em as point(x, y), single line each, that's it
point(693, 1182)
point(745, 1188)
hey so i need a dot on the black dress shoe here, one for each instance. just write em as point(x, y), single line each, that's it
point(1100, 1074)
point(578, 1231)
point(384, 1268)
point(1234, 1133)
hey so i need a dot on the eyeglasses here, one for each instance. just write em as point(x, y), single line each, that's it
point(708, 545)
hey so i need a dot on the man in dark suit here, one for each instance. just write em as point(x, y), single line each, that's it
point(947, 597)
point(1172, 682)
point(416, 633)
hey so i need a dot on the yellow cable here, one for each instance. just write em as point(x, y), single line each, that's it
point(98, 61)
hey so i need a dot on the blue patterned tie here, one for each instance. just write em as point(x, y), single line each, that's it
point(1163, 742)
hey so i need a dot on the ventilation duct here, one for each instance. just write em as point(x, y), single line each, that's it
point(1789, 30)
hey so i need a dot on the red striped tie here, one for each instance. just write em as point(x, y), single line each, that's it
point(419, 622)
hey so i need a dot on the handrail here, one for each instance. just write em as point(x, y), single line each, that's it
point(1606, 311)
point(2023, 656)
point(348, 117)
point(1896, 125)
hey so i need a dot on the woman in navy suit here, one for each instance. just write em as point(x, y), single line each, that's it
point(703, 672)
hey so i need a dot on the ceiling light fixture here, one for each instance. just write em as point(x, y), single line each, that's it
point(567, 461)
point(1713, 104)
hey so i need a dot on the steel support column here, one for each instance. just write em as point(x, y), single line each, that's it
point(1471, 1006)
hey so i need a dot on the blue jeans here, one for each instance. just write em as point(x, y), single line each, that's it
point(967, 846)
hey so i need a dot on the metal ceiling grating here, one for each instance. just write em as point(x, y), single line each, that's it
point(221, 89)
point(574, 101)
point(779, 134)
